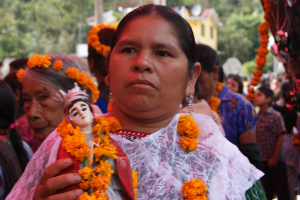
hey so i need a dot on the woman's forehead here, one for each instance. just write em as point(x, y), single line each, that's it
point(149, 27)
point(33, 84)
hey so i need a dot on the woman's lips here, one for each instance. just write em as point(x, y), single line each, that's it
point(141, 82)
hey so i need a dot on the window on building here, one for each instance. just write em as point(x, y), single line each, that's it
point(211, 32)
point(202, 29)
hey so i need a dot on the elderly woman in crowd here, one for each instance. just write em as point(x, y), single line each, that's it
point(152, 66)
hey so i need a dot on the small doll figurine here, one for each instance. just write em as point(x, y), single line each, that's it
point(104, 167)
point(77, 108)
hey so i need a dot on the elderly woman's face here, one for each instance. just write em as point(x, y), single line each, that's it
point(44, 114)
point(148, 71)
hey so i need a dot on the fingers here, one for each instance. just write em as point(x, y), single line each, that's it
point(71, 195)
point(56, 183)
point(55, 168)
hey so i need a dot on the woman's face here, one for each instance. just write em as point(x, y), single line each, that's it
point(44, 114)
point(232, 85)
point(148, 71)
point(80, 114)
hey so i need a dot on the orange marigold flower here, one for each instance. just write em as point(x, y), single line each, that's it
point(105, 50)
point(109, 108)
point(65, 130)
point(256, 78)
point(82, 78)
point(57, 65)
point(114, 124)
point(105, 150)
point(33, 61)
point(100, 182)
point(262, 51)
point(251, 96)
point(86, 172)
point(84, 196)
point(258, 73)
point(219, 86)
point(253, 82)
point(44, 61)
point(72, 73)
point(82, 153)
point(84, 185)
point(261, 60)
point(264, 40)
point(62, 125)
point(100, 195)
point(187, 127)
point(188, 144)
point(251, 90)
point(20, 74)
point(263, 28)
point(214, 103)
point(194, 188)
point(104, 168)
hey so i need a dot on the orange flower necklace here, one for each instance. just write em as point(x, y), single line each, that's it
point(214, 102)
point(189, 131)
point(80, 77)
point(97, 179)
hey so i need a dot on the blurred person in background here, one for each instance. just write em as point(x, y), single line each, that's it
point(23, 126)
point(289, 151)
point(99, 41)
point(39, 86)
point(275, 87)
point(237, 114)
point(18, 64)
point(270, 130)
point(234, 83)
point(8, 131)
point(10, 169)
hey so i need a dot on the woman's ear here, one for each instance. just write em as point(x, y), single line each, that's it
point(190, 89)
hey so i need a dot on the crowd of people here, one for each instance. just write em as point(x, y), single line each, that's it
point(168, 123)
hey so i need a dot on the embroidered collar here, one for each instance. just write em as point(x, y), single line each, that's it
point(130, 133)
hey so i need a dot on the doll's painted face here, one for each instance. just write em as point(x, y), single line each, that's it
point(81, 115)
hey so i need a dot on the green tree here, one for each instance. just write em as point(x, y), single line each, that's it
point(249, 67)
point(32, 26)
point(239, 37)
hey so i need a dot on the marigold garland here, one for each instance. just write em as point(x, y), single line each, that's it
point(214, 102)
point(94, 41)
point(262, 51)
point(188, 130)
point(80, 77)
point(98, 179)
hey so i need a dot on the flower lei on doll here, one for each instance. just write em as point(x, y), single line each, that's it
point(214, 102)
point(188, 130)
point(262, 51)
point(93, 39)
point(95, 180)
point(80, 77)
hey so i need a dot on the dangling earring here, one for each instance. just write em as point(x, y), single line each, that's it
point(191, 108)
point(110, 103)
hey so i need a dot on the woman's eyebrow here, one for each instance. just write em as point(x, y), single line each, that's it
point(82, 105)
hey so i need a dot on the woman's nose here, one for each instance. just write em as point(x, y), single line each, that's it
point(143, 62)
point(33, 111)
